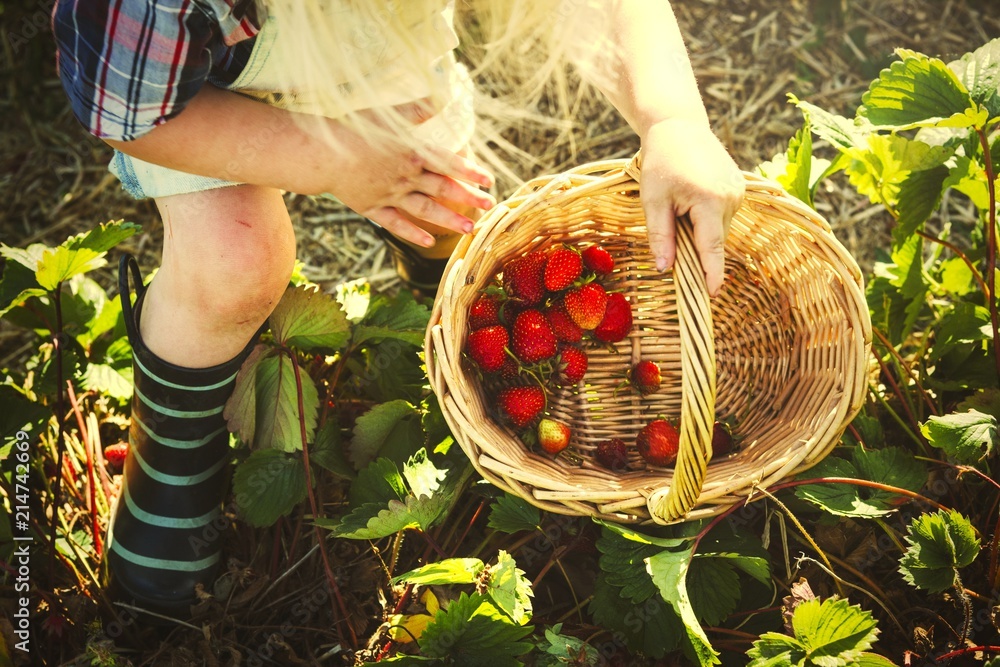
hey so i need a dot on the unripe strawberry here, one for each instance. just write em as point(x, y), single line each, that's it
point(532, 338)
point(586, 305)
point(617, 321)
point(521, 405)
point(598, 260)
point(562, 268)
point(658, 443)
point(553, 435)
point(486, 347)
point(612, 454)
point(645, 377)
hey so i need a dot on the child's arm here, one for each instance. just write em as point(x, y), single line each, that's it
point(225, 135)
point(685, 169)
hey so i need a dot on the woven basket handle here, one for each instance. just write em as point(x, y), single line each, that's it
point(667, 505)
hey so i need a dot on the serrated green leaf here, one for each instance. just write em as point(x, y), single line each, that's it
point(104, 237)
point(965, 323)
point(834, 632)
point(400, 318)
point(326, 451)
point(373, 428)
point(623, 562)
point(60, 264)
point(984, 400)
point(956, 277)
point(17, 285)
point(669, 570)
point(560, 649)
point(107, 380)
point(968, 176)
point(651, 627)
point(870, 430)
point(776, 650)
point(308, 319)
point(28, 257)
point(756, 566)
point(472, 632)
point(878, 169)
point(422, 476)
point(636, 536)
point(966, 437)
point(872, 660)
point(940, 544)
point(510, 514)
point(509, 589)
point(919, 194)
point(979, 72)
point(18, 412)
point(448, 571)
point(268, 485)
point(277, 405)
point(374, 521)
point(378, 482)
point(714, 589)
point(843, 133)
point(241, 408)
point(915, 91)
point(891, 465)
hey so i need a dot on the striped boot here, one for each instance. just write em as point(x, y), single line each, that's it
point(166, 532)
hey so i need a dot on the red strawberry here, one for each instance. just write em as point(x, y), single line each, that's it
point(612, 454)
point(510, 370)
point(722, 439)
point(486, 347)
point(521, 405)
point(563, 326)
point(532, 338)
point(485, 312)
point(617, 321)
point(658, 443)
point(572, 365)
point(586, 305)
point(115, 454)
point(562, 268)
point(524, 278)
point(598, 260)
point(553, 436)
point(645, 377)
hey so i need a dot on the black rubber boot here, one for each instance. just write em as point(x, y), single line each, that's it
point(161, 538)
point(416, 271)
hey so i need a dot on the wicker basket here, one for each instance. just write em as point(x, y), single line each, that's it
point(782, 350)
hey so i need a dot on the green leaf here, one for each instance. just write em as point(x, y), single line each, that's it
point(623, 562)
point(916, 91)
point(60, 264)
point(19, 413)
point(714, 589)
point(650, 627)
point(956, 277)
point(104, 237)
point(776, 650)
point(373, 428)
point(241, 408)
point(277, 405)
point(919, 194)
point(979, 72)
point(17, 285)
point(448, 571)
point(668, 570)
point(511, 514)
point(965, 323)
point(797, 170)
point(268, 485)
point(327, 452)
point(843, 133)
point(984, 400)
point(873, 660)
point(756, 566)
point(374, 521)
point(308, 319)
point(108, 380)
point(472, 632)
point(422, 476)
point(892, 466)
point(509, 589)
point(28, 257)
point(966, 437)
point(379, 482)
point(834, 632)
point(635, 536)
point(879, 169)
point(564, 649)
point(869, 429)
point(400, 318)
point(940, 544)
point(968, 176)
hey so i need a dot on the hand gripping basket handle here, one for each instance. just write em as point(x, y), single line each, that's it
point(698, 370)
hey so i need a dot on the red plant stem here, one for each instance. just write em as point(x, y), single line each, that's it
point(994, 546)
point(961, 255)
point(906, 367)
point(969, 649)
point(556, 555)
point(902, 399)
point(312, 501)
point(91, 482)
point(468, 527)
point(404, 599)
point(60, 436)
point(991, 257)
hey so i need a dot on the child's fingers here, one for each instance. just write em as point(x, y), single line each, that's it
point(448, 163)
point(448, 189)
point(425, 209)
point(396, 223)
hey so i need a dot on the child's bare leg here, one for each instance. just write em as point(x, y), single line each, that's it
point(227, 256)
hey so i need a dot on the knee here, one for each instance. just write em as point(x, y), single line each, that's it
point(252, 272)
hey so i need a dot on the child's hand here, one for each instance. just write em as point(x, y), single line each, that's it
point(388, 182)
point(686, 170)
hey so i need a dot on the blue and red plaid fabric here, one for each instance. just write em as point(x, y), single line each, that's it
point(129, 65)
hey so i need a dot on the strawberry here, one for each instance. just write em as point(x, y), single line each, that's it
point(645, 377)
point(658, 443)
point(531, 337)
point(598, 260)
point(524, 278)
point(510, 370)
point(486, 347)
point(485, 312)
point(521, 405)
point(617, 321)
point(553, 436)
point(115, 454)
point(562, 268)
point(572, 365)
point(586, 305)
point(563, 326)
point(612, 454)
point(722, 439)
